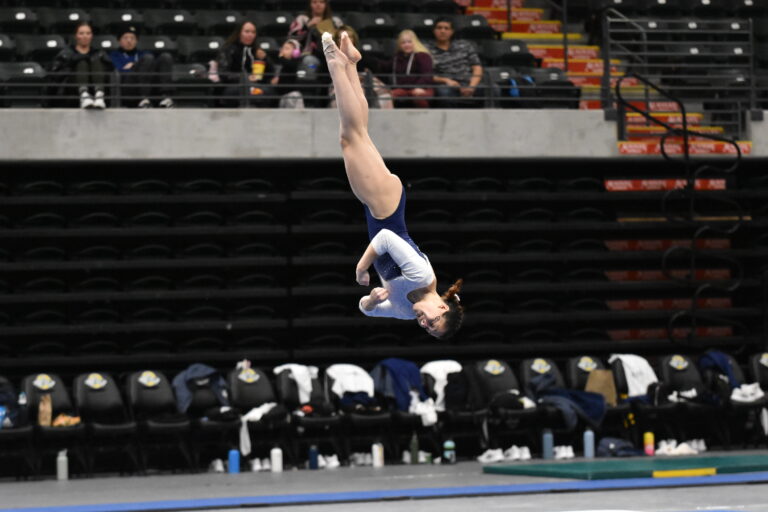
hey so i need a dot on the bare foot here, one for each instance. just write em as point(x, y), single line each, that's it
point(331, 51)
point(352, 53)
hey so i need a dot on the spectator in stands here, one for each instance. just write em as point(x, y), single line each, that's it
point(411, 71)
point(288, 62)
point(142, 70)
point(308, 27)
point(84, 65)
point(457, 66)
point(245, 68)
point(367, 66)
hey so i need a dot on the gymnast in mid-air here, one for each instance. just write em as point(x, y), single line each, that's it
point(409, 286)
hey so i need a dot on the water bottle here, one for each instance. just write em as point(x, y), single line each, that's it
point(62, 466)
point(234, 461)
point(589, 444)
point(276, 459)
point(649, 443)
point(547, 444)
point(377, 454)
point(414, 449)
point(449, 452)
point(313, 453)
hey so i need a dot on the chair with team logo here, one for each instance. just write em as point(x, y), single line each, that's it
point(107, 425)
point(58, 426)
point(543, 382)
point(16, 434)
point(493, 387)
point(697, 413)
point(160, 425)
point(619, 420)
point(314, 418)
point(252, 393)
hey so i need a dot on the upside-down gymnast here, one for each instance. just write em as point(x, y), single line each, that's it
point(409, 285)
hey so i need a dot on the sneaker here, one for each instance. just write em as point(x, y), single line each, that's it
point(98, 100)
point(699, 445)
point(216, 466)
point(266, 465)
point(145, 103)
point(406, 457)
point(512, 453)
point(684, 449)
point(332, 461)
point(569, 454)
point(358, 459)
point(320, 462)
point(166, 103)
point(368, 460)
point(423, 457)
point(525, 453)
point(255, 465)
point(560, 453)
point(491, 456)
point(86, 100)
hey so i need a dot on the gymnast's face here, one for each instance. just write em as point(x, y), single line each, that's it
point(429, 315)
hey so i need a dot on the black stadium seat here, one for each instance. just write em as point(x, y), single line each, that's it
point(199, 48)
point(39, 48)
point(7, 48)
point(219, 23)
point(110, 21)
point(23, 84)
point(18, 20)
point(509, 52)
point(158, 44)
point(61, 21)
point(170, 22)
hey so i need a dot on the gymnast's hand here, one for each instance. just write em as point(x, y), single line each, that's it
point(379, 295)
point(362, 276)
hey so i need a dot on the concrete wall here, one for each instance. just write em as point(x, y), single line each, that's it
point(70, 134)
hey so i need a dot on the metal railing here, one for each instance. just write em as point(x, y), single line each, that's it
point(709, 65)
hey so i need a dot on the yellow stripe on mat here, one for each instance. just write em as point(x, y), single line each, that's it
point(674, 473)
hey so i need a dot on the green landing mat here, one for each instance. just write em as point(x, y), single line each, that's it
point(637, 467)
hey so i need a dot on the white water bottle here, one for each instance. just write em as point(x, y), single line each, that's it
point(62, 466)
point(377, 455)
point(276, 459)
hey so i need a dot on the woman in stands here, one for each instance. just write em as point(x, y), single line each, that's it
point(307, 27)
point(242, 56)
point(411, 72)
point(409, 286)
point(85, 66)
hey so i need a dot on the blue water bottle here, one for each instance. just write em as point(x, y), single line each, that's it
point(313, 453)
point(234, 461)
point(547, 444)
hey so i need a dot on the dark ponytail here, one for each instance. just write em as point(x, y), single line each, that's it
point(455, 314)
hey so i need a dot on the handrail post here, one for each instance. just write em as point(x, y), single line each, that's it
point(606, 79)
point(565, 35)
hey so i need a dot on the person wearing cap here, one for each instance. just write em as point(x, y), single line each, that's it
point(144, 74)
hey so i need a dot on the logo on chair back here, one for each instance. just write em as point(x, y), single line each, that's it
point(678, 363)
point(764, 359)
point(43, 382)
point(95, 381)
point(149, 379)
point(540, 366)
point(587, 364)
point(494, 367)
point(248, 376)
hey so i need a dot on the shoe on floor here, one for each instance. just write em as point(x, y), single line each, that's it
point(560, 453)
point(145, 103)
point(684, 449)
point(525, 453)
point(216, 466)
point(86, 100)
point(512, 453)
point(98, 100)
point(166, 103)
point(255, 465)
point(569, 454)
point(332, 461)
point(321, 462)
point(266, 465)
point(368, 460)
point(491, 456)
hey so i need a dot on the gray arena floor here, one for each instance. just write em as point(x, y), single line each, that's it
point(76, 495)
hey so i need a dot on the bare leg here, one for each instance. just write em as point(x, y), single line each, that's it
point(368, 176)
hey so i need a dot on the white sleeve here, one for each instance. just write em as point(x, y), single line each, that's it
point(413, 266)
point(386, 309)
